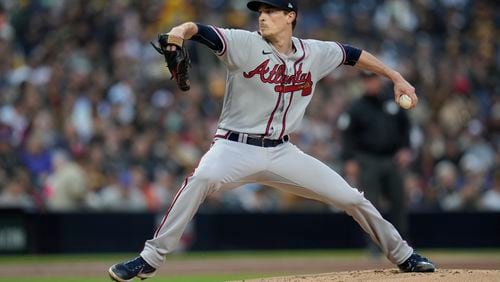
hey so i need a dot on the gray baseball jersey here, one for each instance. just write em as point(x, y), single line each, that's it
point(267, 94)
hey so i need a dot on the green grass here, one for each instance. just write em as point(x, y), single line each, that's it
point(340, 254)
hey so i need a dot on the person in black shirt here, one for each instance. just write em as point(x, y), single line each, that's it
point(375, 138)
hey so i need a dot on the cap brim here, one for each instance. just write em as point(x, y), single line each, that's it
point(255, 5)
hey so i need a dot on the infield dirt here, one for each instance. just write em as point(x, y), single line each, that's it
point(455, 275)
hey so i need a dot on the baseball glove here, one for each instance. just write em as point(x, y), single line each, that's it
point(177, 58)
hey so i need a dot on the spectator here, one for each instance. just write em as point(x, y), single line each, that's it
point(6, 30)
point(164, 188)
point(490, 201)
point(36, 157)
point(447, 185)
point(9, 160)
point(120, 195)
point(66, 187)
point(15, 195)
point(414, 192)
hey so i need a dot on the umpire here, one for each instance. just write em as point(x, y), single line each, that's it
point(375, 133)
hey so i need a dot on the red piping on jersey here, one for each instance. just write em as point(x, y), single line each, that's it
point(221, 35)
point(272, 114)
point(343, 54)
point(171, 206)
point(301, 58)
point(284, 116)
point(222, 136)
point(292, 88)
point(277, 103)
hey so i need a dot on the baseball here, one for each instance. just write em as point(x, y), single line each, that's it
point(405, 101)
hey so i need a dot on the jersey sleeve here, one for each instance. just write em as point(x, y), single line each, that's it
point(329, 56)
point(235, 46)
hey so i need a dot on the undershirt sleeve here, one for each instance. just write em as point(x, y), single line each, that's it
point(352, 55)
point(208, 36)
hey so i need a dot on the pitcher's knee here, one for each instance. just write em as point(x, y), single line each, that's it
point(353, 200)
point(207, 179)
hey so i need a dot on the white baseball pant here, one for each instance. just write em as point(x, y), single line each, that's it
point(229, 164)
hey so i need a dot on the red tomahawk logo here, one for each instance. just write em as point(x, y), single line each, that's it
point(306, 88)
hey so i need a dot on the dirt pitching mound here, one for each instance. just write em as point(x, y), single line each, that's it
point(393, 276)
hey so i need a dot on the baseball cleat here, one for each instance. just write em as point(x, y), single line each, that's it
point(147, 274)
point(126, 271)
point(417, 263)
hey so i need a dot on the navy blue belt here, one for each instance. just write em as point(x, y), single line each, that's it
point(257, 141)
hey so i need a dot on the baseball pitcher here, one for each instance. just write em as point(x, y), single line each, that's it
point(271, 77)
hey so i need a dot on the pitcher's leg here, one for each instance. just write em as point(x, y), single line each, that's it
point(304, 171)
point(182, 210)
point(225, 163)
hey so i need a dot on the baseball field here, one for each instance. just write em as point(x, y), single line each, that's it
point(325, 265)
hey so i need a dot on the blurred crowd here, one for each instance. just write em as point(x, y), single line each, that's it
point(90, 121)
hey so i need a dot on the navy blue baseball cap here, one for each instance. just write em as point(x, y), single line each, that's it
point(286, 5)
